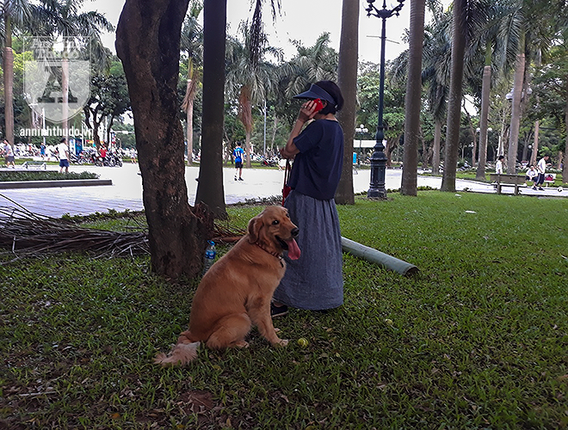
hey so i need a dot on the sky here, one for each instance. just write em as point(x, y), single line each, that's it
point(303, 20)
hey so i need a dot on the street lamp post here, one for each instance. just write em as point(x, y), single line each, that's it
point(378, 159)
point(361, 130)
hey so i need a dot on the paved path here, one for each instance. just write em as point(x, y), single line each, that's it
point(126, 191)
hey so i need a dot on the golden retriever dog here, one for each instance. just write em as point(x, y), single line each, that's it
point(236, 291)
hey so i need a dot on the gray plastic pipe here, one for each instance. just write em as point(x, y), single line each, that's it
point(378, 257)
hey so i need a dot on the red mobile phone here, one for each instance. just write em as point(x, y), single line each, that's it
point(319, 105)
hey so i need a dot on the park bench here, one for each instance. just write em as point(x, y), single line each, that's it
point(549, 178)
point(34, 165)
point(503, 179)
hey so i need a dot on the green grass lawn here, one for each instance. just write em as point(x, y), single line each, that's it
point(478, 340)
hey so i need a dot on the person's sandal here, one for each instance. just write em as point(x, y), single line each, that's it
point(278, 311)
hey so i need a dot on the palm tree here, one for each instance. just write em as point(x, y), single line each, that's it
point(436, 75)
point(347, 81)
point(249, 79)
point(210, 187)
point(413, 99)
point(64, 18)
point(12, 12)
point(536, 33)
point(192, 44)
point(499, 39)
point(310, 64)
point(468, 16)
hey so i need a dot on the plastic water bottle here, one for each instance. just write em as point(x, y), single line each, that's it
point(209, 257)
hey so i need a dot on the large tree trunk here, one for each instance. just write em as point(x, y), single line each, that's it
point(483, 121)
point(436, 146)
point(189, 132)
point(210, 189)
point(347, 81)
point(187, 105)
point(8, 83)
point(9, 94)
point(455, 98)
point(534, 153)
point(148, 43)
point(565, 157)
point(65, 104)
point(390, 147)
point(516, 109)
point(413, 100)
point(274, 129)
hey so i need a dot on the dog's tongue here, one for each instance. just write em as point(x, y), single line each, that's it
point(293, 250)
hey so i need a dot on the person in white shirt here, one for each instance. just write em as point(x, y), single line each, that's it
point(499, 165)
point(531, 175)
point(541, 169)
point(9, 154)
point(63, 151)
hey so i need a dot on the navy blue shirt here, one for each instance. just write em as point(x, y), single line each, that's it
point(317, 168)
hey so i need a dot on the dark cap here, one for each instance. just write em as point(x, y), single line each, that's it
point(316, 92)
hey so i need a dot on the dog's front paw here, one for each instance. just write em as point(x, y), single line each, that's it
point(282, 342)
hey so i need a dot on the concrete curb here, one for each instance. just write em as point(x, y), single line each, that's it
point(54, 184)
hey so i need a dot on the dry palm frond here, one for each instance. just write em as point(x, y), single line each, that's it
point(23, 233)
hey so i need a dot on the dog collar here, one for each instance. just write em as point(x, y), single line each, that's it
point(279, 256)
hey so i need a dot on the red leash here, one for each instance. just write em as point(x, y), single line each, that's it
point(286, 188)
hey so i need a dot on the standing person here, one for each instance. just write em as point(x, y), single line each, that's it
point(63, 151)
point(315, 280)
point(499, 165)
point(103, 153)
point(541, 169)
point(9, 154)
point(238, 156)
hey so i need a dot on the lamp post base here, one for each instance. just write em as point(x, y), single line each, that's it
point(378, 168)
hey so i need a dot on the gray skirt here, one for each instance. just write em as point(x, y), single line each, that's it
point(315, 280)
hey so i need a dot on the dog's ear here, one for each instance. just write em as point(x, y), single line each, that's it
point(254, 227)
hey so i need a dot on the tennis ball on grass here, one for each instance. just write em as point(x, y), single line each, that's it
point(303, 342)
point(388, 322)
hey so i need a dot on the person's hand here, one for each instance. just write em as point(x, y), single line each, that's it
point(285, 155)
point(307, 111)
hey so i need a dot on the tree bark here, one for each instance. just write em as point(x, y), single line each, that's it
point(210, 188)
point(148, 43)
point(534, 153)
point(436, 147)
point(9, 94)
point(451, 151)
point(347, 81)
point(483, 121)
point(190, 91)
point(565, 158)
point(413, 100)
point(516, 109)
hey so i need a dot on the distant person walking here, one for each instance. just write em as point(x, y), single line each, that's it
point(63, 151)
point(541, 169)
point(238, 154)
point(9, 154)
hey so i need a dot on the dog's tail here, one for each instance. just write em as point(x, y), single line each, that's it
point(181, 354)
